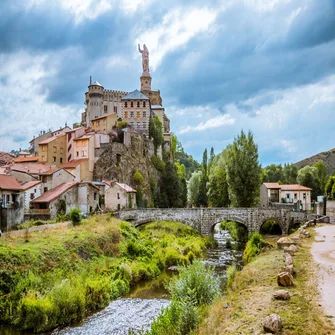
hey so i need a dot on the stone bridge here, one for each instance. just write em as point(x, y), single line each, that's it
point(204, 219)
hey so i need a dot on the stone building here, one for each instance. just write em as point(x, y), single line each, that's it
point(119, 196)
point(54, 177)
point(66, 196)
point(53, 150)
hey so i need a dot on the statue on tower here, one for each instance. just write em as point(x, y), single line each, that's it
point(145, 58)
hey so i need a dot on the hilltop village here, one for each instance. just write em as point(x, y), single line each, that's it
point(89, 166)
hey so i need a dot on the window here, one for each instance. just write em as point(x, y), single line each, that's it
point(110, 98)
point(45, 189)
point(42, 158)
point(32, 196)
point(138, 104)
point(295, 196)
point(77, 153)
point(118, 195)
point(8, 198)
point(138, 125)
point(144, 125)
point(131, 114)
point(54, 149)
point(105, 108)
point(43, 148)
point(132, 124)
point(126, 104)
point(61, 160)
point(131, 104)
point(138, 114)
point(61, 150)
point(83, 153)
point(304, 196)
point(54, 159)
point(95, 195)
point(115, 109)
point(105, 97)
point(143, 103)
point(144, 114)
point(126, 115)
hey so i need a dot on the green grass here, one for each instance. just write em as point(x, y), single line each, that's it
point(57, 277)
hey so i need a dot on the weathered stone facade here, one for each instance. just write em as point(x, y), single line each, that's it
point(204, 219)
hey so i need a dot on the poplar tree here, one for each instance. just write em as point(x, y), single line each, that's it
point(243, 171)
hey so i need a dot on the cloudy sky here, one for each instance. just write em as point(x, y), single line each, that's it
point(221, 66)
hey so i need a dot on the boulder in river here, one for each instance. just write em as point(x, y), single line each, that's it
point(285, 279)
point(281, 295)
point(272, 324)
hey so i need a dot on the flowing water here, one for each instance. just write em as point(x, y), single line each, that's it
point(138, 310)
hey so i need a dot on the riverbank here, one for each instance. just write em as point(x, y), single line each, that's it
point(56, 277)
point(249, 300)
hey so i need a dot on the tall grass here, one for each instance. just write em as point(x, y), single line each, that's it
point(60, 276)
point(253, 247)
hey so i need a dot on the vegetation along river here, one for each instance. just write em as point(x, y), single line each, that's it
point(142, 305)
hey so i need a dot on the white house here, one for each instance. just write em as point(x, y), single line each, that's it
point(119, 196)
point(31, 190)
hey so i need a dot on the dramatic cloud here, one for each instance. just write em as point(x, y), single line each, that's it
point(221, 66)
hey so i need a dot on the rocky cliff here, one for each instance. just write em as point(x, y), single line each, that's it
point(327, 157)
point(120, 160)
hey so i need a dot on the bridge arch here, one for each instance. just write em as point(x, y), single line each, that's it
point(222, 218)
point(277, 221)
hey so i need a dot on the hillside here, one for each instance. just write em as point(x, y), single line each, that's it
point(327, 157)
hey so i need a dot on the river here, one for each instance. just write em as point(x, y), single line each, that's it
point(138, 310)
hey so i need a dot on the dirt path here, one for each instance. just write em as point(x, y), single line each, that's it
point(323, 252)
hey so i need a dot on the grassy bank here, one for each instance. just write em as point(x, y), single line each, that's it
point(249, 300)
point(56, 277)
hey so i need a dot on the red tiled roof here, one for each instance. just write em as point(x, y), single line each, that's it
point(84, 137)
point(26, 159)
point(74, 163)
point(294, 187)
point(2, 153)
point(55, 192)
point(50, 171)
point(50, 139)
point(30, 167)
point(126, 188)
point(8, 182)
point(30, 184)
point(272, 185)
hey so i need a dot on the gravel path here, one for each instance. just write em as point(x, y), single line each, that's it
point(323, 252)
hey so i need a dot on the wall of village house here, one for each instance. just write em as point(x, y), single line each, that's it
point(59, 177)
point(295, 196)
point(116, 198)
point(31, 194)
point(53, 152)
point(14, 215)
point(264, 196)
point(81, 196)
point(134, 115)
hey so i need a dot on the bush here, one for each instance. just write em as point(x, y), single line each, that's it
point(138, 177)
point(231, 271)
point(253, 247)
point(75, 216)
point(158, 163)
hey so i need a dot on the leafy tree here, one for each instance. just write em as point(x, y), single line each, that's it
point(307, 176)
point(173, 145)
point(181, 172)
point(273, 173)
point(321, 175)
point(193, 188)
point(330, 187)
point(243, 170)
point(138, 177)
point(172, 186)
point(290, 174)
point(217, 184)
point(156, 132)
point(211, 158)
point(202, 197)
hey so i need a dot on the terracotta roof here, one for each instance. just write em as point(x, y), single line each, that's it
point(272, 185)
point(294, 187)
point(31, 168)
point(126, 187)
point(74, 163)
point(8, 182)
point(2, 153)
point(50, 171)
point(50, 139)
point(26, 159)
point(72, 130)
point(30, 184)
point(55, 192)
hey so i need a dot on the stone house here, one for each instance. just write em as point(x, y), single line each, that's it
point(119, 196)
point(64, 197)
point(79, 168)
point(6, 157)
point(104, 123)
point(54, 177)
point(11, 202)
point(295, 194)
point(31, 190)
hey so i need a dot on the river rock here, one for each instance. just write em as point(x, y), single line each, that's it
point(281, 295)
point(285, 279)
point(288, 259)
point(285, 242)
point(174, 268)
point(272, 324)
point(288, 268)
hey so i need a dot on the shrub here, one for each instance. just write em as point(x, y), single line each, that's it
point(158, 163)
point(138, 177)
point(75, 216)
point(231, 271)
point(119, 287)
point(211, 242)
point(253, 247)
